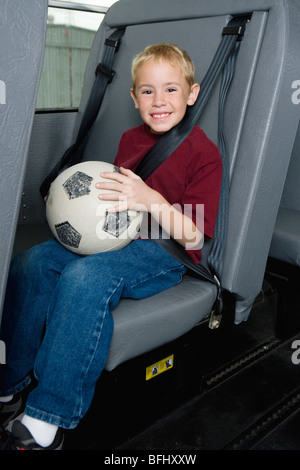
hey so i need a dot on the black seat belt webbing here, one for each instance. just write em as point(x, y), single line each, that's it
point(104, 76)
point(216, 254)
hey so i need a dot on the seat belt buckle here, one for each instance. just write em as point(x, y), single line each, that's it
point(214, 320)
point(215, 317)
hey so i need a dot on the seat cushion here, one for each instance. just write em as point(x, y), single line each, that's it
point(143, 325)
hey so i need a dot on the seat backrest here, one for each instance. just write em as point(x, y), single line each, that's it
point(285, 245)
point(260, 118)
point(22, 39)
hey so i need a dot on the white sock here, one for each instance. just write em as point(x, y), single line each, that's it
point(42, 432)
point(6, 399)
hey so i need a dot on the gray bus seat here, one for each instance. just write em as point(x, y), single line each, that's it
point(21, 59)
point(285, 245)
point(258, 112)
point(283, 267)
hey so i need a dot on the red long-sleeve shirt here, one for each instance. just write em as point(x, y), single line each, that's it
point(190, 177)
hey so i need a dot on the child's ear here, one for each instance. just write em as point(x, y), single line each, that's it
point(193, 94)
point(136, 104)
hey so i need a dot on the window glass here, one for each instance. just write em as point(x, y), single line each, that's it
point(70, 34)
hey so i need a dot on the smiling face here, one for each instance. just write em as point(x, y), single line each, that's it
point(162, 94)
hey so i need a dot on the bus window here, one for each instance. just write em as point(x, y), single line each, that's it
point(71, 29)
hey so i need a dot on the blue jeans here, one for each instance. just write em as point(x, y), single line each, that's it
point(57, 320)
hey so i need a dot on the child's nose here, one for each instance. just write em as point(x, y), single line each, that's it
point(159, 99)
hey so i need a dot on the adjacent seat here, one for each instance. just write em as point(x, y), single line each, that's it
point(285, 244)
point(22, 39)
point(283, 268)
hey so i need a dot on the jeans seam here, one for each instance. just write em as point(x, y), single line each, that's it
point(50, 418)
point(164, 271)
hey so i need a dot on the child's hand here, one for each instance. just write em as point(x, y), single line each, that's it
point(129, 189)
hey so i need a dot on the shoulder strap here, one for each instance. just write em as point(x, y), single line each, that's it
point(104, 75)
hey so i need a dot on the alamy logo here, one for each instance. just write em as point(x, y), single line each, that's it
point(296, 94)
point(296, 354)
point(2, 353)
point(2, 92)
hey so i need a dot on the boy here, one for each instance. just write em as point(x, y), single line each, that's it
point(74, 296)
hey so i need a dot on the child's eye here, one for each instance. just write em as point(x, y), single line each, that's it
point(146, 92)
point(171, 90)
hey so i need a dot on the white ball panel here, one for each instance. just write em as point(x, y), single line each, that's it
point(78, 218)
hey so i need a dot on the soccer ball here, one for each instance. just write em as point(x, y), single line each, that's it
point(79, 220)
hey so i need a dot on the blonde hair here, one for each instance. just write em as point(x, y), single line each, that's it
point(167, 52)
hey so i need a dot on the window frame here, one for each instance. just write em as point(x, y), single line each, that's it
point(75, 7)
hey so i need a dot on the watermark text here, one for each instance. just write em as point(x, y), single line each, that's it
point(2, 92)
point(2, 353)
point(151, 459)
point(296, 354)
point(296, 94)
point(158, 226)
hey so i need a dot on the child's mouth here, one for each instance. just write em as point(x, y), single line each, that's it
point(160, 115)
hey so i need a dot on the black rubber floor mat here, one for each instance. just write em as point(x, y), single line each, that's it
point(223, 416)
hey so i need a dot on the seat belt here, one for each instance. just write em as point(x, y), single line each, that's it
point(224, 60)
point(104, 75)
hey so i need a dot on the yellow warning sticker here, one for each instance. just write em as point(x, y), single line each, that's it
point(159, 367)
